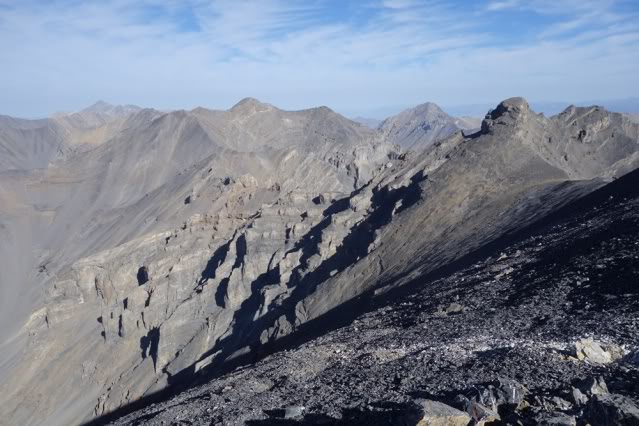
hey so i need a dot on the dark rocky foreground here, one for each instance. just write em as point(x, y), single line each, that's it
point(541, 329)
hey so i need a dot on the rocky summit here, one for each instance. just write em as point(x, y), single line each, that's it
point(262, 266)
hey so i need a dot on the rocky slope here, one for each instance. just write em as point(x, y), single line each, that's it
point(33, 144)
point(28, 144)
point(199, 176)
point(196, 239)
point(539, 328)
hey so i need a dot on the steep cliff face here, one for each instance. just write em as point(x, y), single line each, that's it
point(182, 196)
point(540, 328)
point(191, 239)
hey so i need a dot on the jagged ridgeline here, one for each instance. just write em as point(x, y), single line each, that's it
point(141, 247)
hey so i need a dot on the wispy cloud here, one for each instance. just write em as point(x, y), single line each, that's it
point(62, 54)
point(502, 5)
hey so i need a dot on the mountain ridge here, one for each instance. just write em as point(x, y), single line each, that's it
point(191, 239)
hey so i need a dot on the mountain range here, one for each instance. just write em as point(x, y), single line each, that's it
point(142, 249)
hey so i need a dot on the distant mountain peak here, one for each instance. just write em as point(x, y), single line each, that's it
point(102, 107)
point(418, 127)
point(251, 105)
point(429, 108)
point(99, 106)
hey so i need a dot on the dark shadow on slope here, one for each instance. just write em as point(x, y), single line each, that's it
point(143, 275)
point(594, 261)
point(240, 253)
point(149, 344)
point(376, 413)
point(143, 419)
point(627, 186)
point(219, 256)
point(247, 332)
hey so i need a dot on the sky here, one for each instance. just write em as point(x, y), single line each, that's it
point(357, 57)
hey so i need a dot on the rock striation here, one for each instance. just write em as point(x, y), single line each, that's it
point(191, 241)
point(508, 358)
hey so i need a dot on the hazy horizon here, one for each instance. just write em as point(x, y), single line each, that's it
point(478, 110)
point(356, 57)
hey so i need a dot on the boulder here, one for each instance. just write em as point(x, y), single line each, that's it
point(454, 308)
point(593, 386)
point(512, 392)
point(611, 409)
point(479, 413)
point(293, 411)
point(590, 351)
point(578, 398)
point(560, 403)
point(435, 413)
point(505, 392)
point(555, 419)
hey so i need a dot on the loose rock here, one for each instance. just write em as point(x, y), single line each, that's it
point(438, 414)
point(612, 409)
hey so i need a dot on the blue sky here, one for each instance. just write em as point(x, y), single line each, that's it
point(358, 57)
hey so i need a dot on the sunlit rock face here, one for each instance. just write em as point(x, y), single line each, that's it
point(166, 243)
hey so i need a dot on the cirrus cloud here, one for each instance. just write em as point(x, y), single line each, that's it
point(354, 56)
